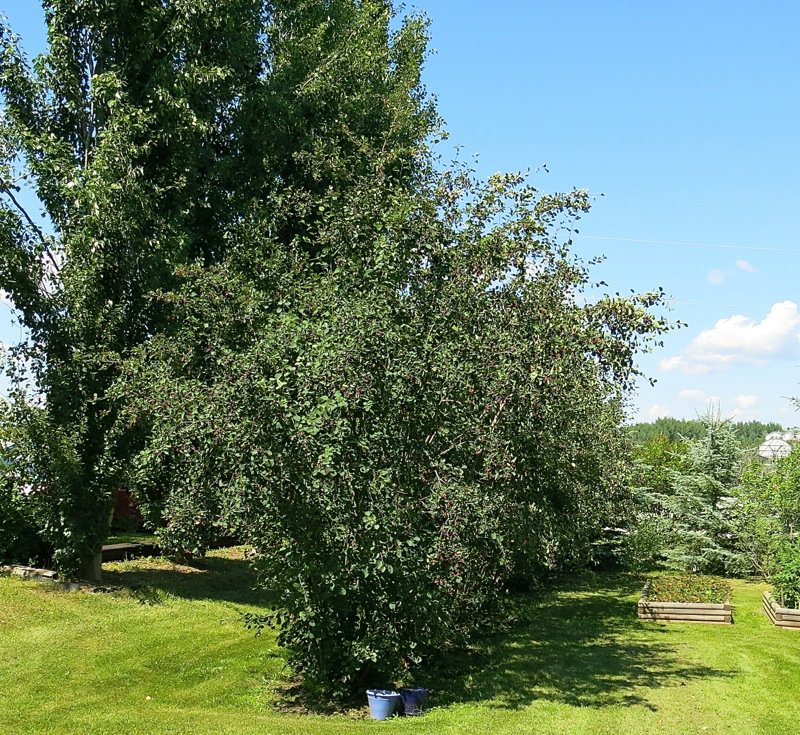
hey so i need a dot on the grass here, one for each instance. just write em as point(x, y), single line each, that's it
point(131, 537)
point(168, 654)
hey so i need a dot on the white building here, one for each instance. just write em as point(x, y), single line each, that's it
point(778, 444)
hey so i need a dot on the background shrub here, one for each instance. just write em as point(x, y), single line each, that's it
point(786, 579)
point(21, 540)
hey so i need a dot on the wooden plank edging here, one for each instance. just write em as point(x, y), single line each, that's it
point(125, 551)
point(713, 613)
point(685, 615)
point(782, 617)
point(44, 575)
point(655, 604)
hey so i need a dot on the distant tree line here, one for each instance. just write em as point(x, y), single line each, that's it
point(749, 433)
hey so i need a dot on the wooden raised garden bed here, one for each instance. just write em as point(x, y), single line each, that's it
point(43, 575)
point(686, 612)
point(123, 552)
point(783, 617)
point(654, 607)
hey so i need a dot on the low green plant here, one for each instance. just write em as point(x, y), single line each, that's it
point(787, 579)
point(688, 588)
point(20, 539)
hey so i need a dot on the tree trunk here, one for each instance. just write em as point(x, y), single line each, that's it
point(92, 569)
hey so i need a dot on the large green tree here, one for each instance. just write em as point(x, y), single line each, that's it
point(274, 314)
point(402, 433)
point(150, 132)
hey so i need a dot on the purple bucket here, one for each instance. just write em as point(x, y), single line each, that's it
point(414, 700)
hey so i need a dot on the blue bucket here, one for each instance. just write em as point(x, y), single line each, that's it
point(382, 703)
point(414, 700)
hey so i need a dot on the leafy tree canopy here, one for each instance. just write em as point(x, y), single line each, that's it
point(151, 133)
point(265, 308)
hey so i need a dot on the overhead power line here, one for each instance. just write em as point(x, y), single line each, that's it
point(722, 306)
point(685, 244)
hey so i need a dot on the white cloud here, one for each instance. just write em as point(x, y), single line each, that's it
point(670, 364)
point(739, 339)
point(658, 411)
point(741, 334)
point(745, 400)
point(692, 394)
point(718, 276)
point(5, 299)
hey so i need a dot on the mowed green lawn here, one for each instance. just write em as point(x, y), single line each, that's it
point(172, 656)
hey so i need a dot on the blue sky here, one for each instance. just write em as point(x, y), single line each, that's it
point(682, 118)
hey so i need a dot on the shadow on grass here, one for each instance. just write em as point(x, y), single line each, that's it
point(229, 578)
point(583, 646)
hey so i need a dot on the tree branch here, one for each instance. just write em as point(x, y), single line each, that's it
point(6, 190)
